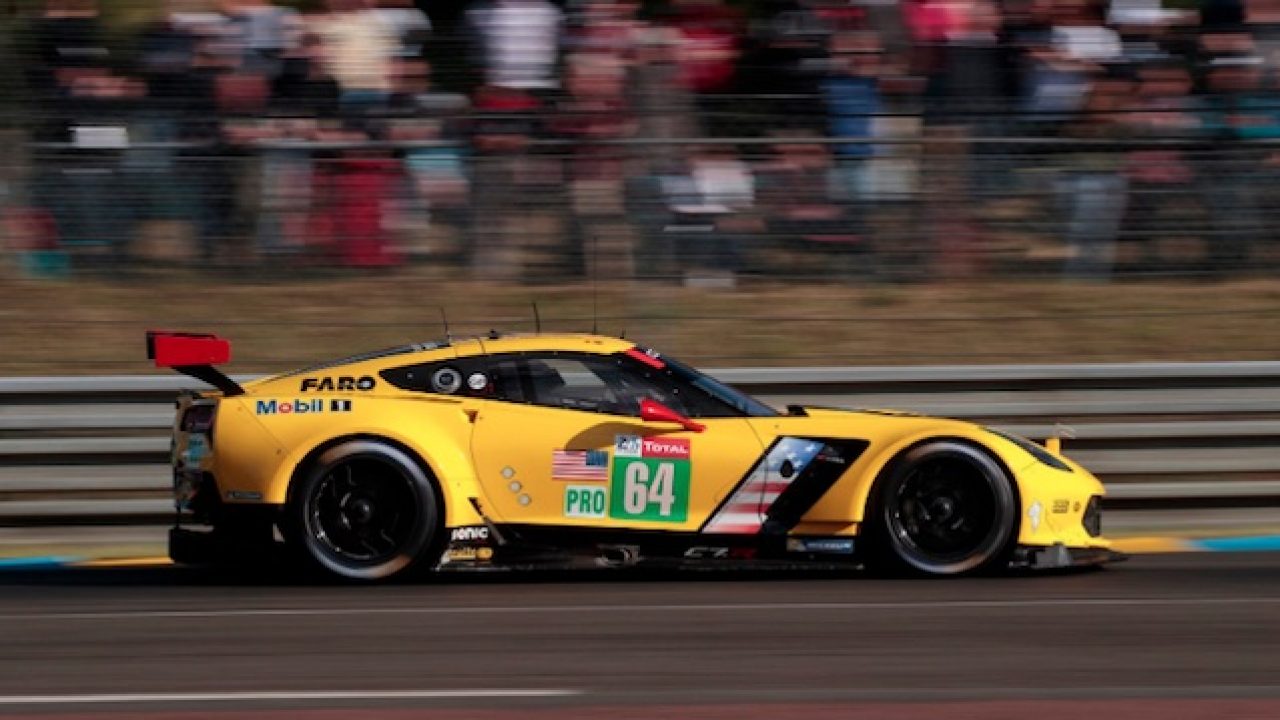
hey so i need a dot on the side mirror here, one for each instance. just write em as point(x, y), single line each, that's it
point(654, 411)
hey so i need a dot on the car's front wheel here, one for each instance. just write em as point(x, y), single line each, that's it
point(365, 510)
point(945, 508)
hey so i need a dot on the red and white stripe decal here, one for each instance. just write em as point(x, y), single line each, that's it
point(747, 508)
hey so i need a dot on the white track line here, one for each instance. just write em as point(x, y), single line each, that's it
point(659, 608)
point(281, 696)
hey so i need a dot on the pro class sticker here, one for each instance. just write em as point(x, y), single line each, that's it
point(649, 479)
point(585, 501)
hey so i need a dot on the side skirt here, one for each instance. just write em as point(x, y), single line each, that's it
point(528, 547)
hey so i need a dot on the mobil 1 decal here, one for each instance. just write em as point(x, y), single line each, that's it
point(649, 479)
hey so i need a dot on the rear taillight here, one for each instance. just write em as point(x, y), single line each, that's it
point(198, 419)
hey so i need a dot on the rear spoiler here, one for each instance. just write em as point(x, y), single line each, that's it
point(193, 354)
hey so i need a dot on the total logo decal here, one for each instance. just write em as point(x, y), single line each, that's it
point(300, 407)
point(634, 446)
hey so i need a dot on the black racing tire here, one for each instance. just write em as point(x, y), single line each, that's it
point(944, 508)
point(365, 511)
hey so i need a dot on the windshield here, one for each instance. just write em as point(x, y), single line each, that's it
point(744, 403)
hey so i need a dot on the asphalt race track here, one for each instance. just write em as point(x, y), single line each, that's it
point(1172, 636)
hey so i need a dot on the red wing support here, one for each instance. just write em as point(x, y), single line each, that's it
point(195, 355)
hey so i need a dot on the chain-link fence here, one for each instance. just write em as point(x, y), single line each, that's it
point(918, 204)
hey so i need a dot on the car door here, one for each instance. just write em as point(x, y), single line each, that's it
point(567, 446)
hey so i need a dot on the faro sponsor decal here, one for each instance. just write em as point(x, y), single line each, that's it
point(300, 406)
point(340, 383)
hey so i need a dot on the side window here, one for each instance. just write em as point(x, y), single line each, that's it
point(497, 378)
point(612, 385)
point(591, 384)
point(573, 384)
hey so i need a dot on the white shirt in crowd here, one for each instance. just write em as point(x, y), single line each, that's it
point(521, 40)
point(359, 47)
point(1092, 43)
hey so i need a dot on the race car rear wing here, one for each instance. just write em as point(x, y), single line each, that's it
point(193, 354)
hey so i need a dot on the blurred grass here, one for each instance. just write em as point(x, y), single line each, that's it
point(95, 326)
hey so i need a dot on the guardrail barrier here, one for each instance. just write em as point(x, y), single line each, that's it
point(94, 450)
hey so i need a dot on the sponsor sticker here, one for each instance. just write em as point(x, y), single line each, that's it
point(831, 546)
point(649, 479)
point(580, 465)
point(289, 407)
point(1034, 514)
point(469, 533)
point(197, 449)
point(585, 501)
point(243, 495)
point(300, 406)
point(342, 383)
point(702, 552)
point(469, 554)
point(627, 446)
point(676, 448)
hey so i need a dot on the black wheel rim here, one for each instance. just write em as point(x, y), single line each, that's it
point(363, 511)
point(945, 510)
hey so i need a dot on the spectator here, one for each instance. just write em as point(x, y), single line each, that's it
point(709, 226)
point(304, 101)
point(408, 25)
point(594, 114)
point(1161, 179)
point(516, 201)
point(518, 43)
point(1077, 49)
point(1093, 185)
point(852, 95)
point(968, 85)
point(1239, 178)
point(173, 134)
point(710, 37)
point(87, 107)
point(809, 230)
point(359, 48)
point(431, 122)
point(260, 32)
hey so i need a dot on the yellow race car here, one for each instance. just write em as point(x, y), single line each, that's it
point(528, 451)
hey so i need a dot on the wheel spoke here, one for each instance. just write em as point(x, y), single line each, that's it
point(360, 511)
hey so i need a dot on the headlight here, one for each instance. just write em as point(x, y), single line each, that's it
point(1093, 517)
point(1035, 450)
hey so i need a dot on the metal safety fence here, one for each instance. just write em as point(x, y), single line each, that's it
point(93, 450)
point(913, 205)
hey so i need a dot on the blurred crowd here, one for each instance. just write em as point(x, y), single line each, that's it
point(700, 140)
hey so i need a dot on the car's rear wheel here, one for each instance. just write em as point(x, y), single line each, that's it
point(945, 508)
point(365, 510)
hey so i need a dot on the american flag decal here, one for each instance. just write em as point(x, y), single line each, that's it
point(745, 511)
point(580, 465)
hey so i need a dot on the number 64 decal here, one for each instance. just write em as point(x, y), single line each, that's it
point(650, 489)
